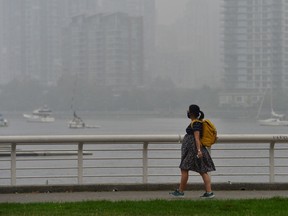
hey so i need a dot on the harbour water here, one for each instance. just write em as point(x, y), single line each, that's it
point(131, 124)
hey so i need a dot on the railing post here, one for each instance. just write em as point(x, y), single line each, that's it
point(145, 163)
point(13, 164)
point(80, 163)
point(271, 163)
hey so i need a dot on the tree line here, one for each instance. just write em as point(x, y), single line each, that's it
point(160, 95)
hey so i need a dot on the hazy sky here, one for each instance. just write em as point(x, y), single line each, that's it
point(169, 10)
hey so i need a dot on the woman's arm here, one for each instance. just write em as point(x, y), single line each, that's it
point(198, 143)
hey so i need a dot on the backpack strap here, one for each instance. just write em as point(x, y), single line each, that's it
point(196, 120)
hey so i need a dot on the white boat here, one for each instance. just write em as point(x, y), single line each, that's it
point(42, 114)
point(275, 119)
point(76, 122)
point(3, 121)
point(273, 122)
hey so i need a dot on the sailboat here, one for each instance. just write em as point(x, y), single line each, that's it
point(275, 119)
point(76, 122)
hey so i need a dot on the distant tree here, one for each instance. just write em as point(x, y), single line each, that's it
point(22, 95)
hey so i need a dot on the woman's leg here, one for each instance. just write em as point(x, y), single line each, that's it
point(207, 181)
point(184, 180)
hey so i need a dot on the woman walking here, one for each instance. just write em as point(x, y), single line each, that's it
point(195, 156)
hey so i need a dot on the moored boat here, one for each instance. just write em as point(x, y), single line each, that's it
point(3, 121)
point(42, 114)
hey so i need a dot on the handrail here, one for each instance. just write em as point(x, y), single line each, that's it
point(253, 138)
point(146, 141)
point(91, 139)
point(224, 138)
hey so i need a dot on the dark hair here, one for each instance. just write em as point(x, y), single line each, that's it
point(195, 111)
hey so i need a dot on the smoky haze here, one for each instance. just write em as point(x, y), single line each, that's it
point(110, 55)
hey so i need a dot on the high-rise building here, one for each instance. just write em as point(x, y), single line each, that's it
point(255, 46)
point(30, 40)
point(76, 7)
point(146, 10)
point(189, 48)
point(106, 48)
point(11, 48)
point(201, 41)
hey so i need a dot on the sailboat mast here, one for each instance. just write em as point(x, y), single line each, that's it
point(261, 104)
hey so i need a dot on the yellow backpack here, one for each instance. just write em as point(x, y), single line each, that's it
point(209, 134)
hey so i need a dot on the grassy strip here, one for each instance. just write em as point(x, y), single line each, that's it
point(274, 206)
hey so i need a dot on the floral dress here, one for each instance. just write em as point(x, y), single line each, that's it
point(189, 160)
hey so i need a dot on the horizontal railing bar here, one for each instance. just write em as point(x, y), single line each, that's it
point(71, 168)
point(241, 149)
point(218, 166)
point(246, 149)
point(52, 168)
point(112, 167)
point(114, 176)
point(134, 167)
point(214, 158)
point(168, 175)
point(166, 149)
point(253, 138)
point(239, 157)
point(130, 167)
point(170, 158)
point(90, 139)
point(114, 158)
point(46, 159)
point(140, 175)
point(50, 176)
point(163, 166)
point(224, 166)
point(35, 154)
point(281, 157)
point(45, 151)
point(115, 150)
point(106, 139)
point(241, 174)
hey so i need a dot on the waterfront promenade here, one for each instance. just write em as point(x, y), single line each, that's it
point(132, 196)
point(136, 192)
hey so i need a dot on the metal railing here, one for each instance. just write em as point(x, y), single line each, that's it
point(98, 159)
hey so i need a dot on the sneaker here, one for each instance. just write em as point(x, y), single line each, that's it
point(208, 195)
point(177, 193)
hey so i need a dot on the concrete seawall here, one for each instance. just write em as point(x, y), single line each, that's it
point(141, 187)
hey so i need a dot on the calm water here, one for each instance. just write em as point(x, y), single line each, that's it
point(132, 125)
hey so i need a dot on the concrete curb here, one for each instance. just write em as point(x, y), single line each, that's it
point(140, 187)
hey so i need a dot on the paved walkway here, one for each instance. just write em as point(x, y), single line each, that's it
point(131, 195)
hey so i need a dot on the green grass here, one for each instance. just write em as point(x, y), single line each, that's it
point(274, 206)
